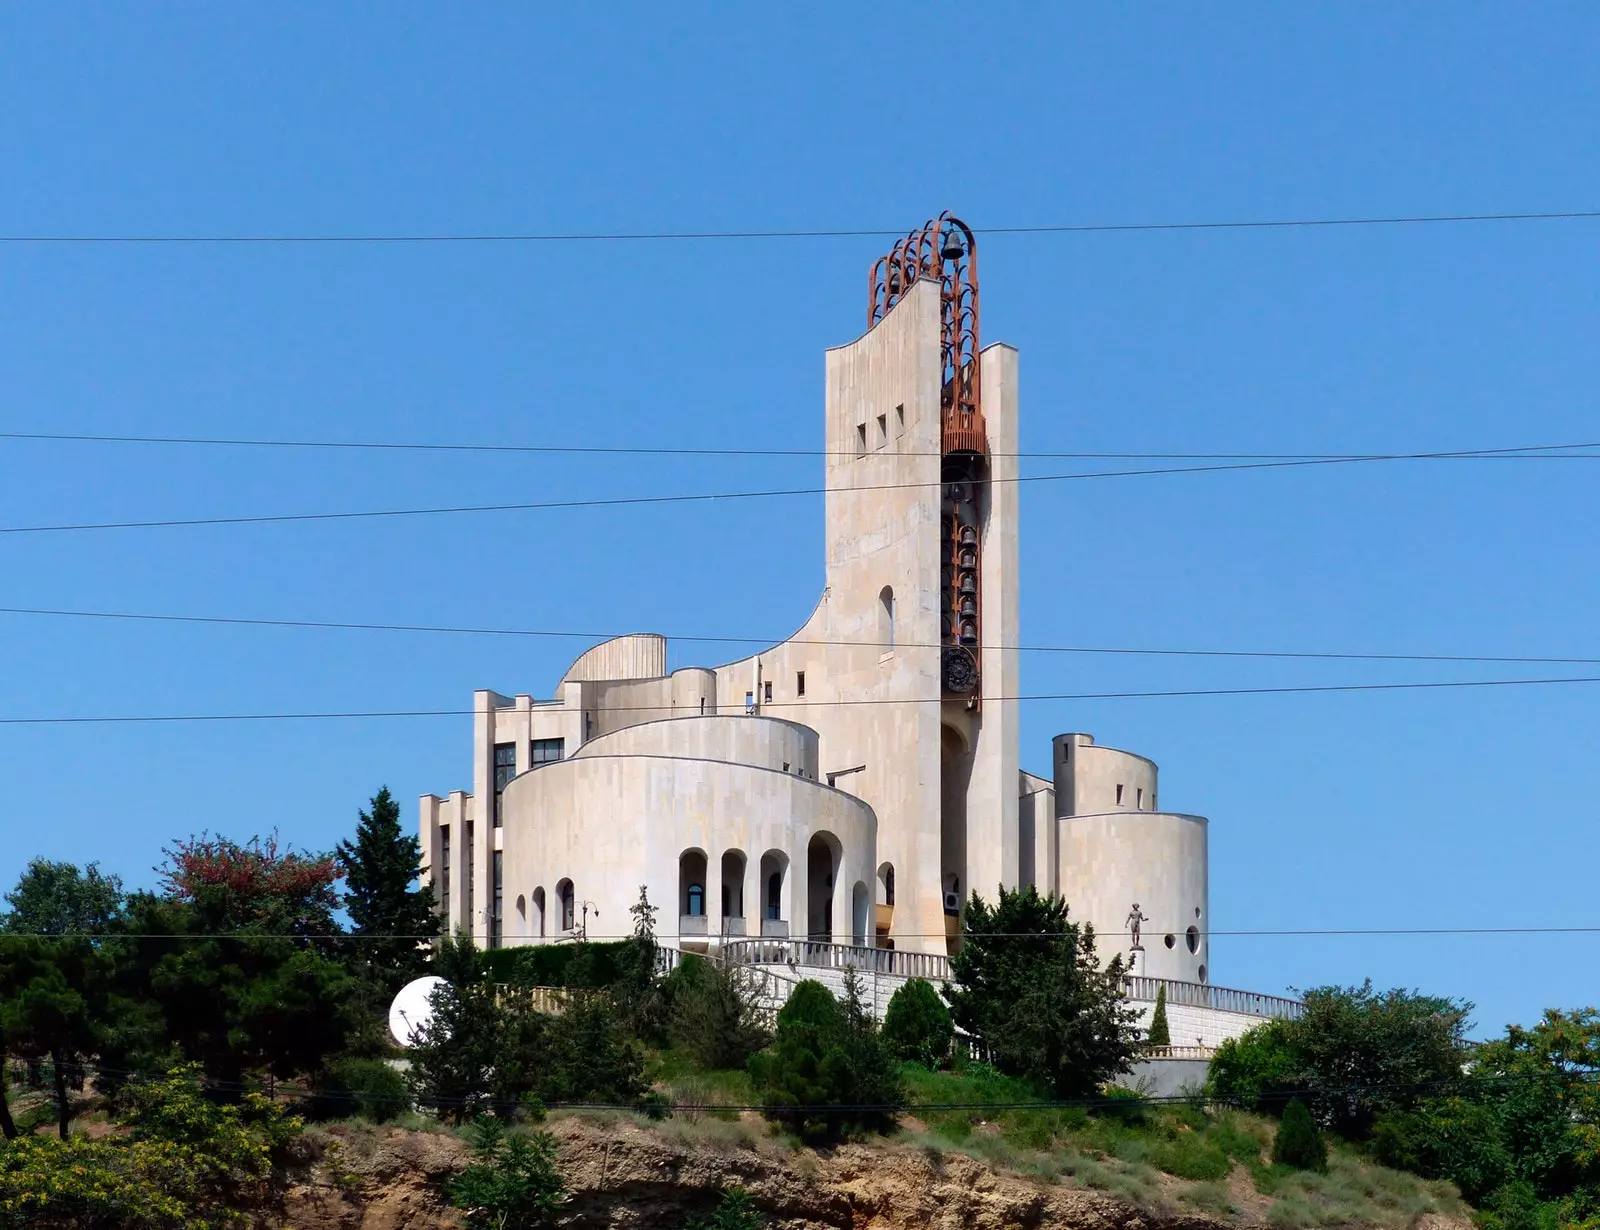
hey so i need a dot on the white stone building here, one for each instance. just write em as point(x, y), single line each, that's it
point(834, 799)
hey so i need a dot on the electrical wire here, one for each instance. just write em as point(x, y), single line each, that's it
point(1535, 452)
point(443, 629)
point(364, 714)
point(714, 497)
point(525, 237)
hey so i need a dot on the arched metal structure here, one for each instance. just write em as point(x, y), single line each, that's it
point(945, 249)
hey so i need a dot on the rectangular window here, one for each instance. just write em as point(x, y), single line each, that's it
point(547, 751)
point(749, 702)
point(505, 768)
point(442, 883)
point(861, 440)
point(766, 691)
point(1138, 796)
point(1119, 794)
point(899, 421)
point(883, 430)
point(799, 683)
point(466, 877)
point(499, 900)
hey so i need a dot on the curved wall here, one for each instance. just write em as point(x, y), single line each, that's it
point(1158, 859)
point(639, 655)
point(1090, 778)
point(761, 742)
point(610, 823)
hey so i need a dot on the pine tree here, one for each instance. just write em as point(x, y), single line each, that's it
point(1298, 1143)
point(1160, 1035)
point(380, 867)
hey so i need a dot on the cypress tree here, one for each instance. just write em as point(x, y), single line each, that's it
point(1160, 1035)
point(380, 867)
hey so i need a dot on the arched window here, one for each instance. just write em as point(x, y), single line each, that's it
point(775, 895)
point(697, 901)
point(886, 619)
point(567, 901)
point(692, 884)
point(538, 909)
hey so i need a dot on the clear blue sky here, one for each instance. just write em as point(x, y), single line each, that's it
point(1465, 808)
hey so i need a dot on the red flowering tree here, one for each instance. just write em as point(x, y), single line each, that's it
point(256, 886)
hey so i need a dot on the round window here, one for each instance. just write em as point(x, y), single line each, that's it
point(1170, 941)
point(1192, 938)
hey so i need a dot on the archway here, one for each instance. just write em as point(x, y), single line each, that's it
point(955, 773)
point(822, 865)
point(860, 909)
point(733, 868)
point(567, 904)
point(774, 877)
point(692, 884)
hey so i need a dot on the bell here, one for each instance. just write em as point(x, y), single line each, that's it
point(952, 250)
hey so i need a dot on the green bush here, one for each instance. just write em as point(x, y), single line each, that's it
point(829, 1069)
point(589, 1056)
point(1189, 1155)
point(1299, 1144)
point(917, 1025)
point(512, 1180)
point(371, 1088)
point(188, 1163)
point(1446, 1138)
point(734, 1211)
point(1255, 1071)
point(716, 1015)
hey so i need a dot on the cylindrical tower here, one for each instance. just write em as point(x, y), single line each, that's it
point(1126, 867)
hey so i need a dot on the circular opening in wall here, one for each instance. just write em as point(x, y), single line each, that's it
point(1202, 973)
point(1170, 941)
point(1192, 938)
point(1197, 911)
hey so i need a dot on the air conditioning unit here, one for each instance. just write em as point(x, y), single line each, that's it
point(952, 903)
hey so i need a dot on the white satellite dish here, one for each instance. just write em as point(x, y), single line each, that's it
point(412, 1009)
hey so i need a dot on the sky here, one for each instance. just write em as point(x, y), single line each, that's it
point(1463, 808)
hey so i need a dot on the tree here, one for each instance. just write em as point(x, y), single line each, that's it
point(392, 918)
point(49, 993)
point(253, 887)
point(1027, 984)
point(1364, 1052)
point(716, 1014)
point(829, 1069)
point(917, 1026)
point(58, 899)
point(453, 1055)
point(590, 1056)
point(636, 986)
point(1160, 1034)
point(1298, 1143)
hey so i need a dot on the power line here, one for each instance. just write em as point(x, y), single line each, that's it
point(712, 497)
point(1251, 933)
point(526, 237)
point(1530, 452)
point(1173, 693)
point(775, 642)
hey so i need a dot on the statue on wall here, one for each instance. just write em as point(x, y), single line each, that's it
point(1136, 919)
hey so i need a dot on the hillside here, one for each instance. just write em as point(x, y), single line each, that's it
point(624, 1172)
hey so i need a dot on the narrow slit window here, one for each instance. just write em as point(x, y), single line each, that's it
point(899, 421)
point(1119, 794)
point(766, 692)
point(883, 430)
point(861, 440)
point(1138, 796)
point(799, 683)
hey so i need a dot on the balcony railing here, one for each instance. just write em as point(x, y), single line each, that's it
point(818, 954)
point(1218, 999)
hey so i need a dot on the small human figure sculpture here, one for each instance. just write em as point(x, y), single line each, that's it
point(1136, 918)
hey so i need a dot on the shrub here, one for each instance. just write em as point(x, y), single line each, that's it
point(512, 1180)
point(734, 1211)
point(1189, 1155)
point(917, 1026)
point(716, 1015)
point(1446, 1138)
point(370, 1088)
point(829, 1069)
point(187, 1163)
point(1160, 1034)
point(1255, 1071)
point(589, 1056)
point(1299, 1144)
